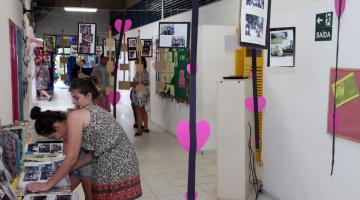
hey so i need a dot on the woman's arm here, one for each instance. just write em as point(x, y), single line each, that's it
point(74, 123)
point(82, 162)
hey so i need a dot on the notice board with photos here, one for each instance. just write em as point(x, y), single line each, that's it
point(347, 104)
point(174, 75)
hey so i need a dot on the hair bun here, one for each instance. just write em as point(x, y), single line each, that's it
point(35, 112)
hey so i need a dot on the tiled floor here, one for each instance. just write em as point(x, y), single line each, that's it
point(163, 164)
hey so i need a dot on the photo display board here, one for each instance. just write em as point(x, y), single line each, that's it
point(174, 34)
point(254, 23)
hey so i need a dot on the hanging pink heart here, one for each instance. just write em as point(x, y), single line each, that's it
point(118, 23)
point(337, 7)
point(202, 134)
point(111, 97)
point(188, 68)
point(249, 103)
point(187, 197)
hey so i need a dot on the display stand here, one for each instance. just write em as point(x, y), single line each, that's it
point(233, 126)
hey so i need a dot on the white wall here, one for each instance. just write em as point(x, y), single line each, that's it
point(9, 9)
point(296, 147)
point(213, 59)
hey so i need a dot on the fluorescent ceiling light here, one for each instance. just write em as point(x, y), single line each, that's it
point(79, 9)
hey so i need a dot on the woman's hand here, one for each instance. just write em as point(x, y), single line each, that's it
point(38, 187)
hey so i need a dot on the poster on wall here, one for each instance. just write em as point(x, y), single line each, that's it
point(347, 103)
point(282, 47)
point(254, 23)
point(87, 38)
point(73, 50)
point(174, 34)
point(132, 48)
point(66, 40)
point(147, 47)
point(49, 43)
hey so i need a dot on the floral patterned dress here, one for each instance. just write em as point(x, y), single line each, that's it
point(43, 77)
point(141, 98)
point(115, 166)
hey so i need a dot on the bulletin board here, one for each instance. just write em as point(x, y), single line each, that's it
point(347, 104)
point(175, 75)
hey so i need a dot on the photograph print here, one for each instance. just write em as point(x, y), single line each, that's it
point(282, 47)
point(256, 3)
point(174, 34)
point(42, 197)
point(63, 197)
point(131, 42)
point(49, 44)
point(147, 47)
point(44, 148)
point(31, 176)
point(86, 38)
point(132, 55)
point(254, 23)
point(56, 148)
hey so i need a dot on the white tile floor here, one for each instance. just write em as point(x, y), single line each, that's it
point(163, 164)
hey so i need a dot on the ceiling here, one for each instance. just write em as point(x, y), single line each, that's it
point(100, 4)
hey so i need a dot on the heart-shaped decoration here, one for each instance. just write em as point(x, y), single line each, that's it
point(188, 68)
point(249, 103)
point(118, 23)
point(337, 7)
point(111, 97)
point(187, 197)
point(202, 134)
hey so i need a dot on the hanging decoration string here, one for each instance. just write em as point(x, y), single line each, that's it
point(335, 90)
point(192, 152)
point(117, 54)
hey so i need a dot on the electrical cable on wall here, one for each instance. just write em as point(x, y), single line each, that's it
point(252, 168)
point(335, 89)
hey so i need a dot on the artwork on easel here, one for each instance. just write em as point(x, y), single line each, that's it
point(147, 47)
point(132, 43)
point(254, 23)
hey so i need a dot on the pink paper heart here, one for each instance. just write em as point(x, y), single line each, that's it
point(202, 134)
point(187, 197)
point(111, 97)
point(337, 7)
point(249, 103)
point(188, 68)
point(128, 24)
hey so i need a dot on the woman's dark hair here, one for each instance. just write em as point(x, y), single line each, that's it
point(44, 121)
point(85, 86)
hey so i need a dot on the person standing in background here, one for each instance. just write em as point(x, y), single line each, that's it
point(42, 77)
point(101, 73)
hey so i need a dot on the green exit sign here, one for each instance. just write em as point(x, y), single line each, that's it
point(323, 27)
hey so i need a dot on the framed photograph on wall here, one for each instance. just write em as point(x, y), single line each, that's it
point(254, 23)
point(132, 55)
point(147, 47)
point(282, 47)
point(87, 38)
point(49, 44)
point(174, 34)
